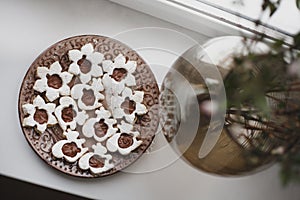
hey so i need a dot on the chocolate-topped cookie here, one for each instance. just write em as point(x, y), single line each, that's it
point(88, 106)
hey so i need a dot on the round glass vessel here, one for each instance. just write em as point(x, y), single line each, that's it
point(193, 109)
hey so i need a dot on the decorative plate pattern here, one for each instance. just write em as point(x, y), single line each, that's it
point(145, 124)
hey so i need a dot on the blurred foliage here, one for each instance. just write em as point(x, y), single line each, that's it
point(257, 80)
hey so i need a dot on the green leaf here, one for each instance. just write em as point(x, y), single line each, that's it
point(298, 4)
point(272, 6)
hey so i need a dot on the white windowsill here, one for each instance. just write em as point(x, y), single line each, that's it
point(207, 19)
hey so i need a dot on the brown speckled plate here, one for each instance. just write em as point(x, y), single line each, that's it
point(110, 48)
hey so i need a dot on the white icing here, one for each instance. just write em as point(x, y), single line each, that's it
point(112, 142)
point(88, 129)
point(94, 57)
point(80, 117)
point(97, 87)
point(71, 136)
point(111, 84)
point(100, 151)
point(137, 97)
point(41, 85)
point(112, 87)
point(30, 109)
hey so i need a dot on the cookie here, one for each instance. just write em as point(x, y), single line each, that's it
point(53, 81)
point(68, 115)
point(119, 74)
point(97, 109)
point(85, 62)
point(128, 105)
point(88, 96)
point(40, 114)
point(125, 141)
point(71, 148)
point(97, 161)
point(100, 127)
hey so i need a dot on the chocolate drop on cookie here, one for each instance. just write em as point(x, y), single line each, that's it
point(119, 74)
point(128, 106)
point(70, 149)
point(125, 140)
point(85, 65)
point(54, 81)
point(100, 128)
point(96, 161)
point(40, 116)
point(68, 114)
point(88, 97)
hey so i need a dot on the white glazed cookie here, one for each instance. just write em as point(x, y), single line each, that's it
point(97, 161)
point(119, 74)
point(88, 96)
point(125, 141)
point(86, 63)
point(71, 148)
point(128, 105)
point(53, 81)
point(40, 114)
point(68, 115)
point(100, 127)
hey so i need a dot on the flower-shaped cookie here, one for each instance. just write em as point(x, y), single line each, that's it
point(97, 161)
point(119, 74)
point(40, 114)
point(125, 141)
point(53, 81)
point(88, 95)
point(68, 115)
point(86, 63)
point(100, 127)
point(71, 148)
point(128, 105)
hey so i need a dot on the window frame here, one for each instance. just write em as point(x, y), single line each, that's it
point(205, 18)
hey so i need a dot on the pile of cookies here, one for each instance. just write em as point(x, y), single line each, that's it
point(93, 98)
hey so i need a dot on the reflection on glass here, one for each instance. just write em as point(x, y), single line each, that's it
point(192, 116)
